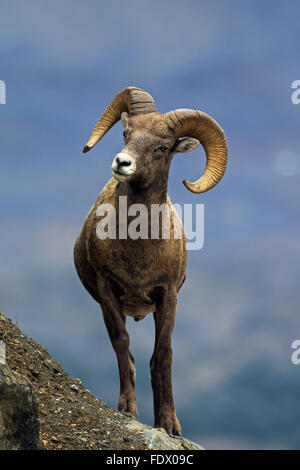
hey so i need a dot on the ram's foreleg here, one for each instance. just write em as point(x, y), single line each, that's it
point(115, 323)
point(161, 362)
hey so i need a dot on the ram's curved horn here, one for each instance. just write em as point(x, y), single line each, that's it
point(132, 100)
point(187, 122)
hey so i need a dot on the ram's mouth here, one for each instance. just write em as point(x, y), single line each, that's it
point(120, 176)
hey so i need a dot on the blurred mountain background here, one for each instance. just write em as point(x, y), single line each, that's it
point(235, 385)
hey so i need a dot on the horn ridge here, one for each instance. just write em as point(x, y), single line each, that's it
point(128, 100)
point(197, 124)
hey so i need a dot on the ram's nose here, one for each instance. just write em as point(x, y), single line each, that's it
point(123, 160)
point(123, 165)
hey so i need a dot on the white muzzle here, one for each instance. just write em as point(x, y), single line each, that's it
point(123, 166)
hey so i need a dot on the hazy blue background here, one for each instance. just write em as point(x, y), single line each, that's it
point(63, 61)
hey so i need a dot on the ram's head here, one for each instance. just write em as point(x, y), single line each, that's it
point(151, 139)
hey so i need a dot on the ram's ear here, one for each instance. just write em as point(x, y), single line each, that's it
point(124, 119)
point(186, 145)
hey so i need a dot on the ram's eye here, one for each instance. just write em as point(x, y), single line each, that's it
point(163, 148)
point(125, 134)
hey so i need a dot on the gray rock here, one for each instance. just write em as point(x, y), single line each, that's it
point(103, 444)
point(158, 439)
point(19, 426)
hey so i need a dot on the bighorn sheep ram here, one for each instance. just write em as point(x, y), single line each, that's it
point(138, 276)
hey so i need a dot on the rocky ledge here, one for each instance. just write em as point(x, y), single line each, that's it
point(42, 407)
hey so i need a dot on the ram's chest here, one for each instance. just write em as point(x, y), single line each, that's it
point(138, 262)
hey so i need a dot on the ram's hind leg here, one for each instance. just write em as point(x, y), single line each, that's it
point(115, 322)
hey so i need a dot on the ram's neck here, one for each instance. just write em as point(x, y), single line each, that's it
point(155, 193)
